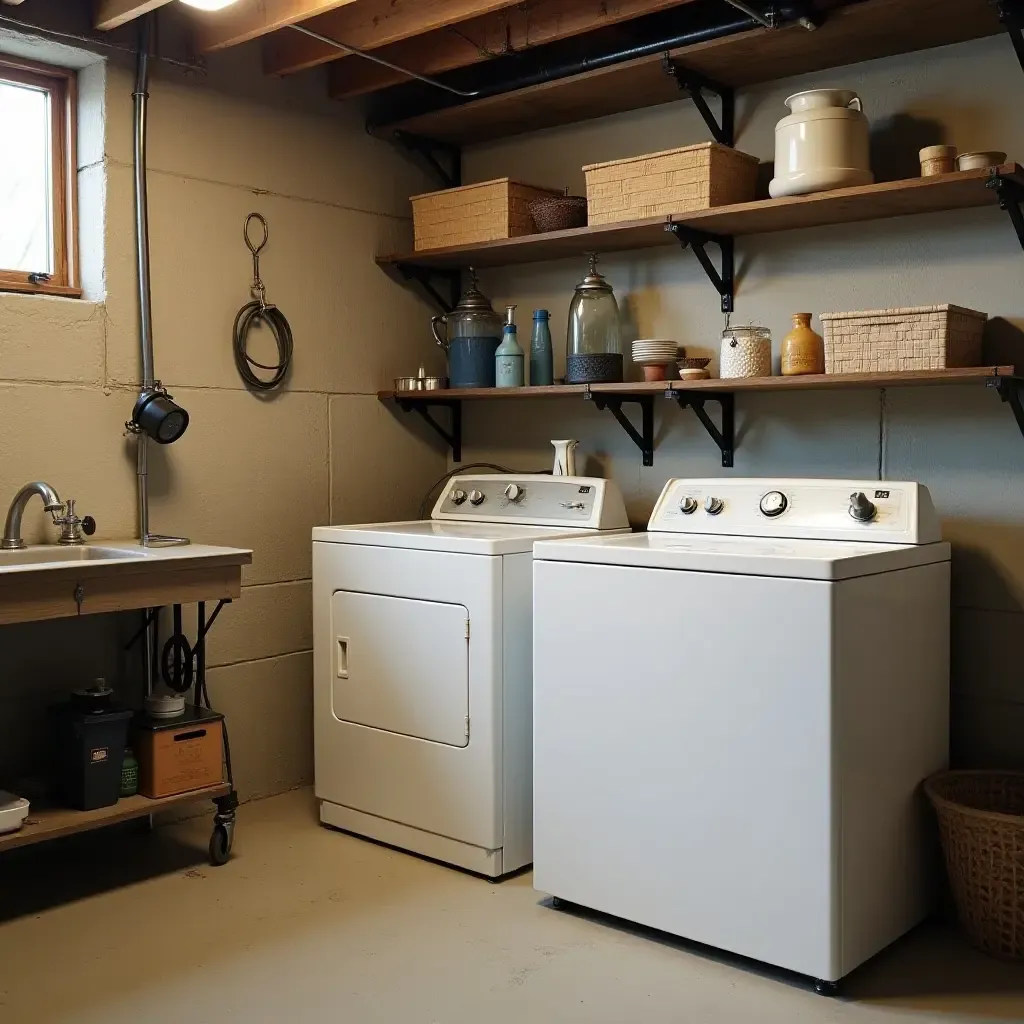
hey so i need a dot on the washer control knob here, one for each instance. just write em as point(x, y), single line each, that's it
point(773, 504)
point(861, 508)
point(713, 506)
point(476, 497)
point(458, 496)
point(515, 493)
point(688, 505)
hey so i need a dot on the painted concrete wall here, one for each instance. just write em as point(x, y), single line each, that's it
point(251, 471)
point(961, 442)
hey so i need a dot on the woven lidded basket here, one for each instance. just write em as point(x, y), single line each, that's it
point(981, 821)
point(907, 338)
point(674, 181)
point(483, 212)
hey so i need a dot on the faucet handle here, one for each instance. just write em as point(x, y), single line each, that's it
point(71, 526)
point(88, 526)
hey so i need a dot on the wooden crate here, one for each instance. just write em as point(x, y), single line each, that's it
point(909, 338)
point(675, 181)
point(482, 212)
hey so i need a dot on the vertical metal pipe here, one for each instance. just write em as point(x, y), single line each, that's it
point(140, 98)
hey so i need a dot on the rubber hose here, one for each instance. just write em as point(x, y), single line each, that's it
point(248, 315)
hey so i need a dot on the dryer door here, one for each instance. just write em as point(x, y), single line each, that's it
point(401, 666)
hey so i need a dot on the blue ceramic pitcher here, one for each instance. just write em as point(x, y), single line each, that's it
point(470, 336)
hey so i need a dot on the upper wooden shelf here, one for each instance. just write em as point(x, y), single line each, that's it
point(957, 191)
point(862, 31)
point(810, 382)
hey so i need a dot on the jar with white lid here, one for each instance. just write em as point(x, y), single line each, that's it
point(746, 352)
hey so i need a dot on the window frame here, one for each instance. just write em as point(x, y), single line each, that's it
point(62, 86)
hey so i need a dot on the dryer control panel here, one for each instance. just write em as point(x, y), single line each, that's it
point(533, 500)
point(882, 511)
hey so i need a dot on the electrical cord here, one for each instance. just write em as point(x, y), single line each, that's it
point(247, 317)
point(430, 497)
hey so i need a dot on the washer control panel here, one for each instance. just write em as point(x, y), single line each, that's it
point(533, 500)
point(884, 511)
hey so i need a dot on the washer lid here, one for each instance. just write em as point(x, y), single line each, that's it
point(431, 535)
point(753, 556)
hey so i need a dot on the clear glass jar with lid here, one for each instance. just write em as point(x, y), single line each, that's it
point(470, 337)
point(593, 348)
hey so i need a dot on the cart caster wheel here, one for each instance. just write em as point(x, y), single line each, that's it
point(558, 903)
point(826, 988)
point(220, 846)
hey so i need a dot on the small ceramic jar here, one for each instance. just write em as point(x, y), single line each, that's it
point(937, 160)
point(746, 352)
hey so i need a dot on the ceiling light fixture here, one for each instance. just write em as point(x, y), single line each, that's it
point(209, 5)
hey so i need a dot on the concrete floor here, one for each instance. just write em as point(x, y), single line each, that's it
point(308, 925)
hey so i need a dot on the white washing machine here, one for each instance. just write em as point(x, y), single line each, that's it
point(733, 714)
point(422, 666)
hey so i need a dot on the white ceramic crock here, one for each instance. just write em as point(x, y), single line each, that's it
point(824, 143)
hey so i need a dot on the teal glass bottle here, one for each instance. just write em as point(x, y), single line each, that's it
point(542, 370)
point(509, 371)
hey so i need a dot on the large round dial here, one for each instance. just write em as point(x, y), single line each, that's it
point(713, 505)
point(476, 497)
point(862, 508)
point(773, 504)
point(688, 505)
point(515, 493)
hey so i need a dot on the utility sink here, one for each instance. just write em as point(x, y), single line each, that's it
point(46, 553)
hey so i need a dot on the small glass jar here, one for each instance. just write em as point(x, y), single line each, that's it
point(593, 348)
point(746, 352)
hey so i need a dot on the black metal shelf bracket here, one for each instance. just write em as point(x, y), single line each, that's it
point(724, 282)
point(451, 437)
point(724, 438)
point(430, 150)
point(1011, 14)
point(1011, 195)
point(695, 85)
point(643, 438)
point(426, 276)
point(1009, 389)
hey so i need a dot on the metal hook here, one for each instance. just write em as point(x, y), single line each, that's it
point(259, 292)
point(255, 249)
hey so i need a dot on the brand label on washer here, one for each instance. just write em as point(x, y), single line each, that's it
point(881, 494)
point(585, 489)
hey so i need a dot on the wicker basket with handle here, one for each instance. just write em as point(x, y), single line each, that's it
point(906, 338)
point(675, 181)
point(483, 212)
point(981, 821)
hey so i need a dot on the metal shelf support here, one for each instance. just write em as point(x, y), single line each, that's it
point(724, 438)
point(1009, 389)
point(430, 150)
point(1011, 14)
point(425, 277)
point(724, 282)
point(643, 438)
point(451, 437)
point(695, 85)
point(1011, 195)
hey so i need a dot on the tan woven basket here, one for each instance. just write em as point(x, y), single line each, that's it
point(908, 338)
point(675, 181)
point(981, 820)
point(482, 212)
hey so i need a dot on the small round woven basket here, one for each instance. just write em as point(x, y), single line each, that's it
point(981, 822)
point(559, 212)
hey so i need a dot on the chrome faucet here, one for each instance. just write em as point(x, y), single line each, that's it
point(71, 527)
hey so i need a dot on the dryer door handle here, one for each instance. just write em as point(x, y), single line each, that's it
point(342, 656)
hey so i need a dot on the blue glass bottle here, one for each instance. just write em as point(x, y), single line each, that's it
point(508, 360)
point(542, 371)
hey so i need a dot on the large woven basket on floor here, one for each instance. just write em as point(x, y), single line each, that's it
point(981, 820)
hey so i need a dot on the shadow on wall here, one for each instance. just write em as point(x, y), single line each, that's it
point(896, 143)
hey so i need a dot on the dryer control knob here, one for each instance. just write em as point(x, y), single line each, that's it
point(459, 496)
point(515, 493)
point(476, 497)
point(713, 506)
point(773, 504)
point(688, 505)
point(861, 507)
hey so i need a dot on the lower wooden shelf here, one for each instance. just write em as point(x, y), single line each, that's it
point(53, 823)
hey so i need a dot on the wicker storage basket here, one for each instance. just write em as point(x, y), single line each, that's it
point(981, 821)
point(676, 181)
point(909, 338)
point(474, 213)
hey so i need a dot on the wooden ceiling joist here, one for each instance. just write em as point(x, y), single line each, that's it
point(368, 25)
point(251, 19)
point(480, 39)
point(114, 13)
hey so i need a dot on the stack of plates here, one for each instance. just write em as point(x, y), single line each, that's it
point(655, 352)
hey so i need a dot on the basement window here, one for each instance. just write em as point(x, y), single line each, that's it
point(38, 241)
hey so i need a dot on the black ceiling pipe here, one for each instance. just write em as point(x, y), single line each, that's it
point(679, 27)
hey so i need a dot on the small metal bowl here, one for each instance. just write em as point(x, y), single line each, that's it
point(421, 383)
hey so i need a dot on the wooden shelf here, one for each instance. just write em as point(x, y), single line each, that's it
point(811, 382)
point(957, 191)
point(53, 823)
point(862, 31)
